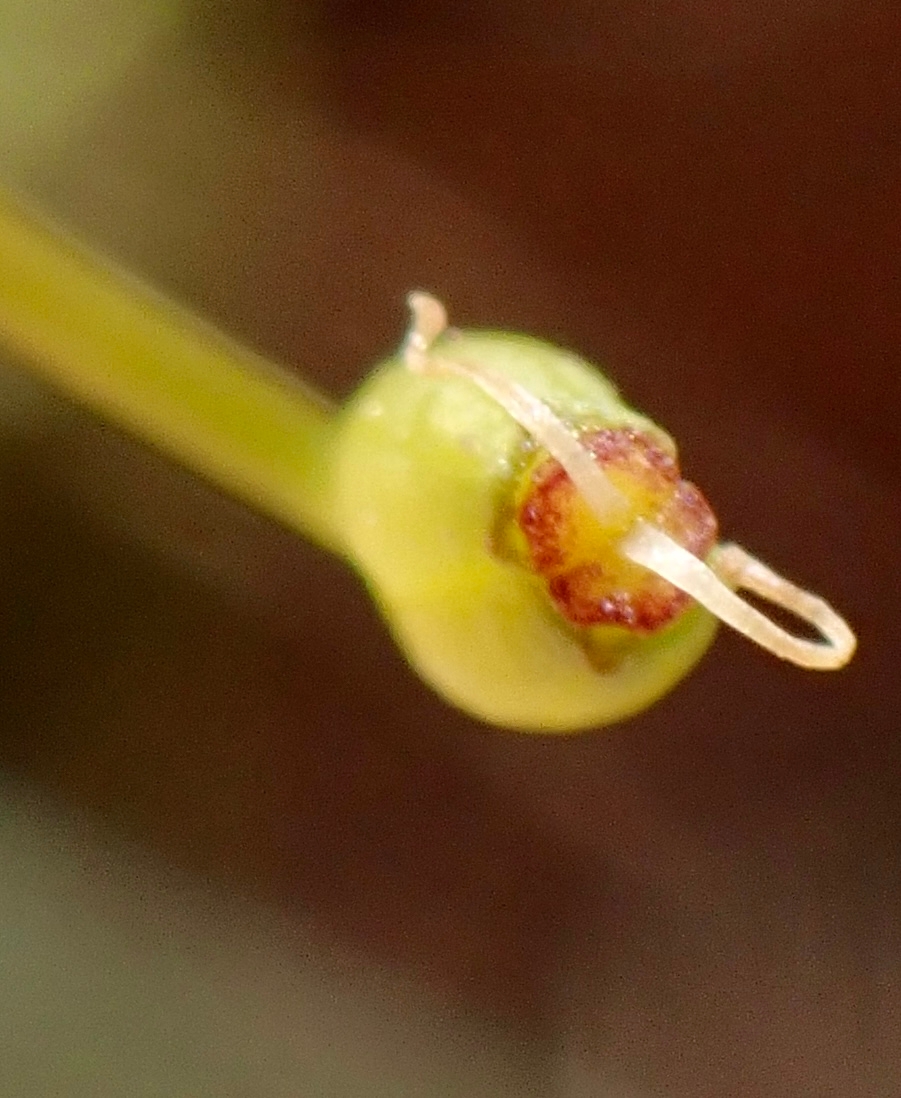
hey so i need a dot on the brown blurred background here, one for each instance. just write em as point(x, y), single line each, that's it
point(704, 197)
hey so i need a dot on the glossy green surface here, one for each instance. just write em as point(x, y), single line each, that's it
point(423, 468)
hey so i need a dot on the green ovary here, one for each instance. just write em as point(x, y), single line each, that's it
point(423, 468)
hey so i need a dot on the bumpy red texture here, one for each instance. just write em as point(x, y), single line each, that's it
point(590, 582)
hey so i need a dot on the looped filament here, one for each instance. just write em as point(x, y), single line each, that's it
point(713, 583)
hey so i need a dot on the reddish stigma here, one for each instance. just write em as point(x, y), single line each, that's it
point(587, 578)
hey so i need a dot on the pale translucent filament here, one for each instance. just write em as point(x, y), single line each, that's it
point(712, 583)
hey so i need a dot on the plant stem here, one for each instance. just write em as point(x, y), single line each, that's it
point(154, 369)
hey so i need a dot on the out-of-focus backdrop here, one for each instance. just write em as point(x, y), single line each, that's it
point(243, 852)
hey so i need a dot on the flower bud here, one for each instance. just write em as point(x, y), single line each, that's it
point(502, 589)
